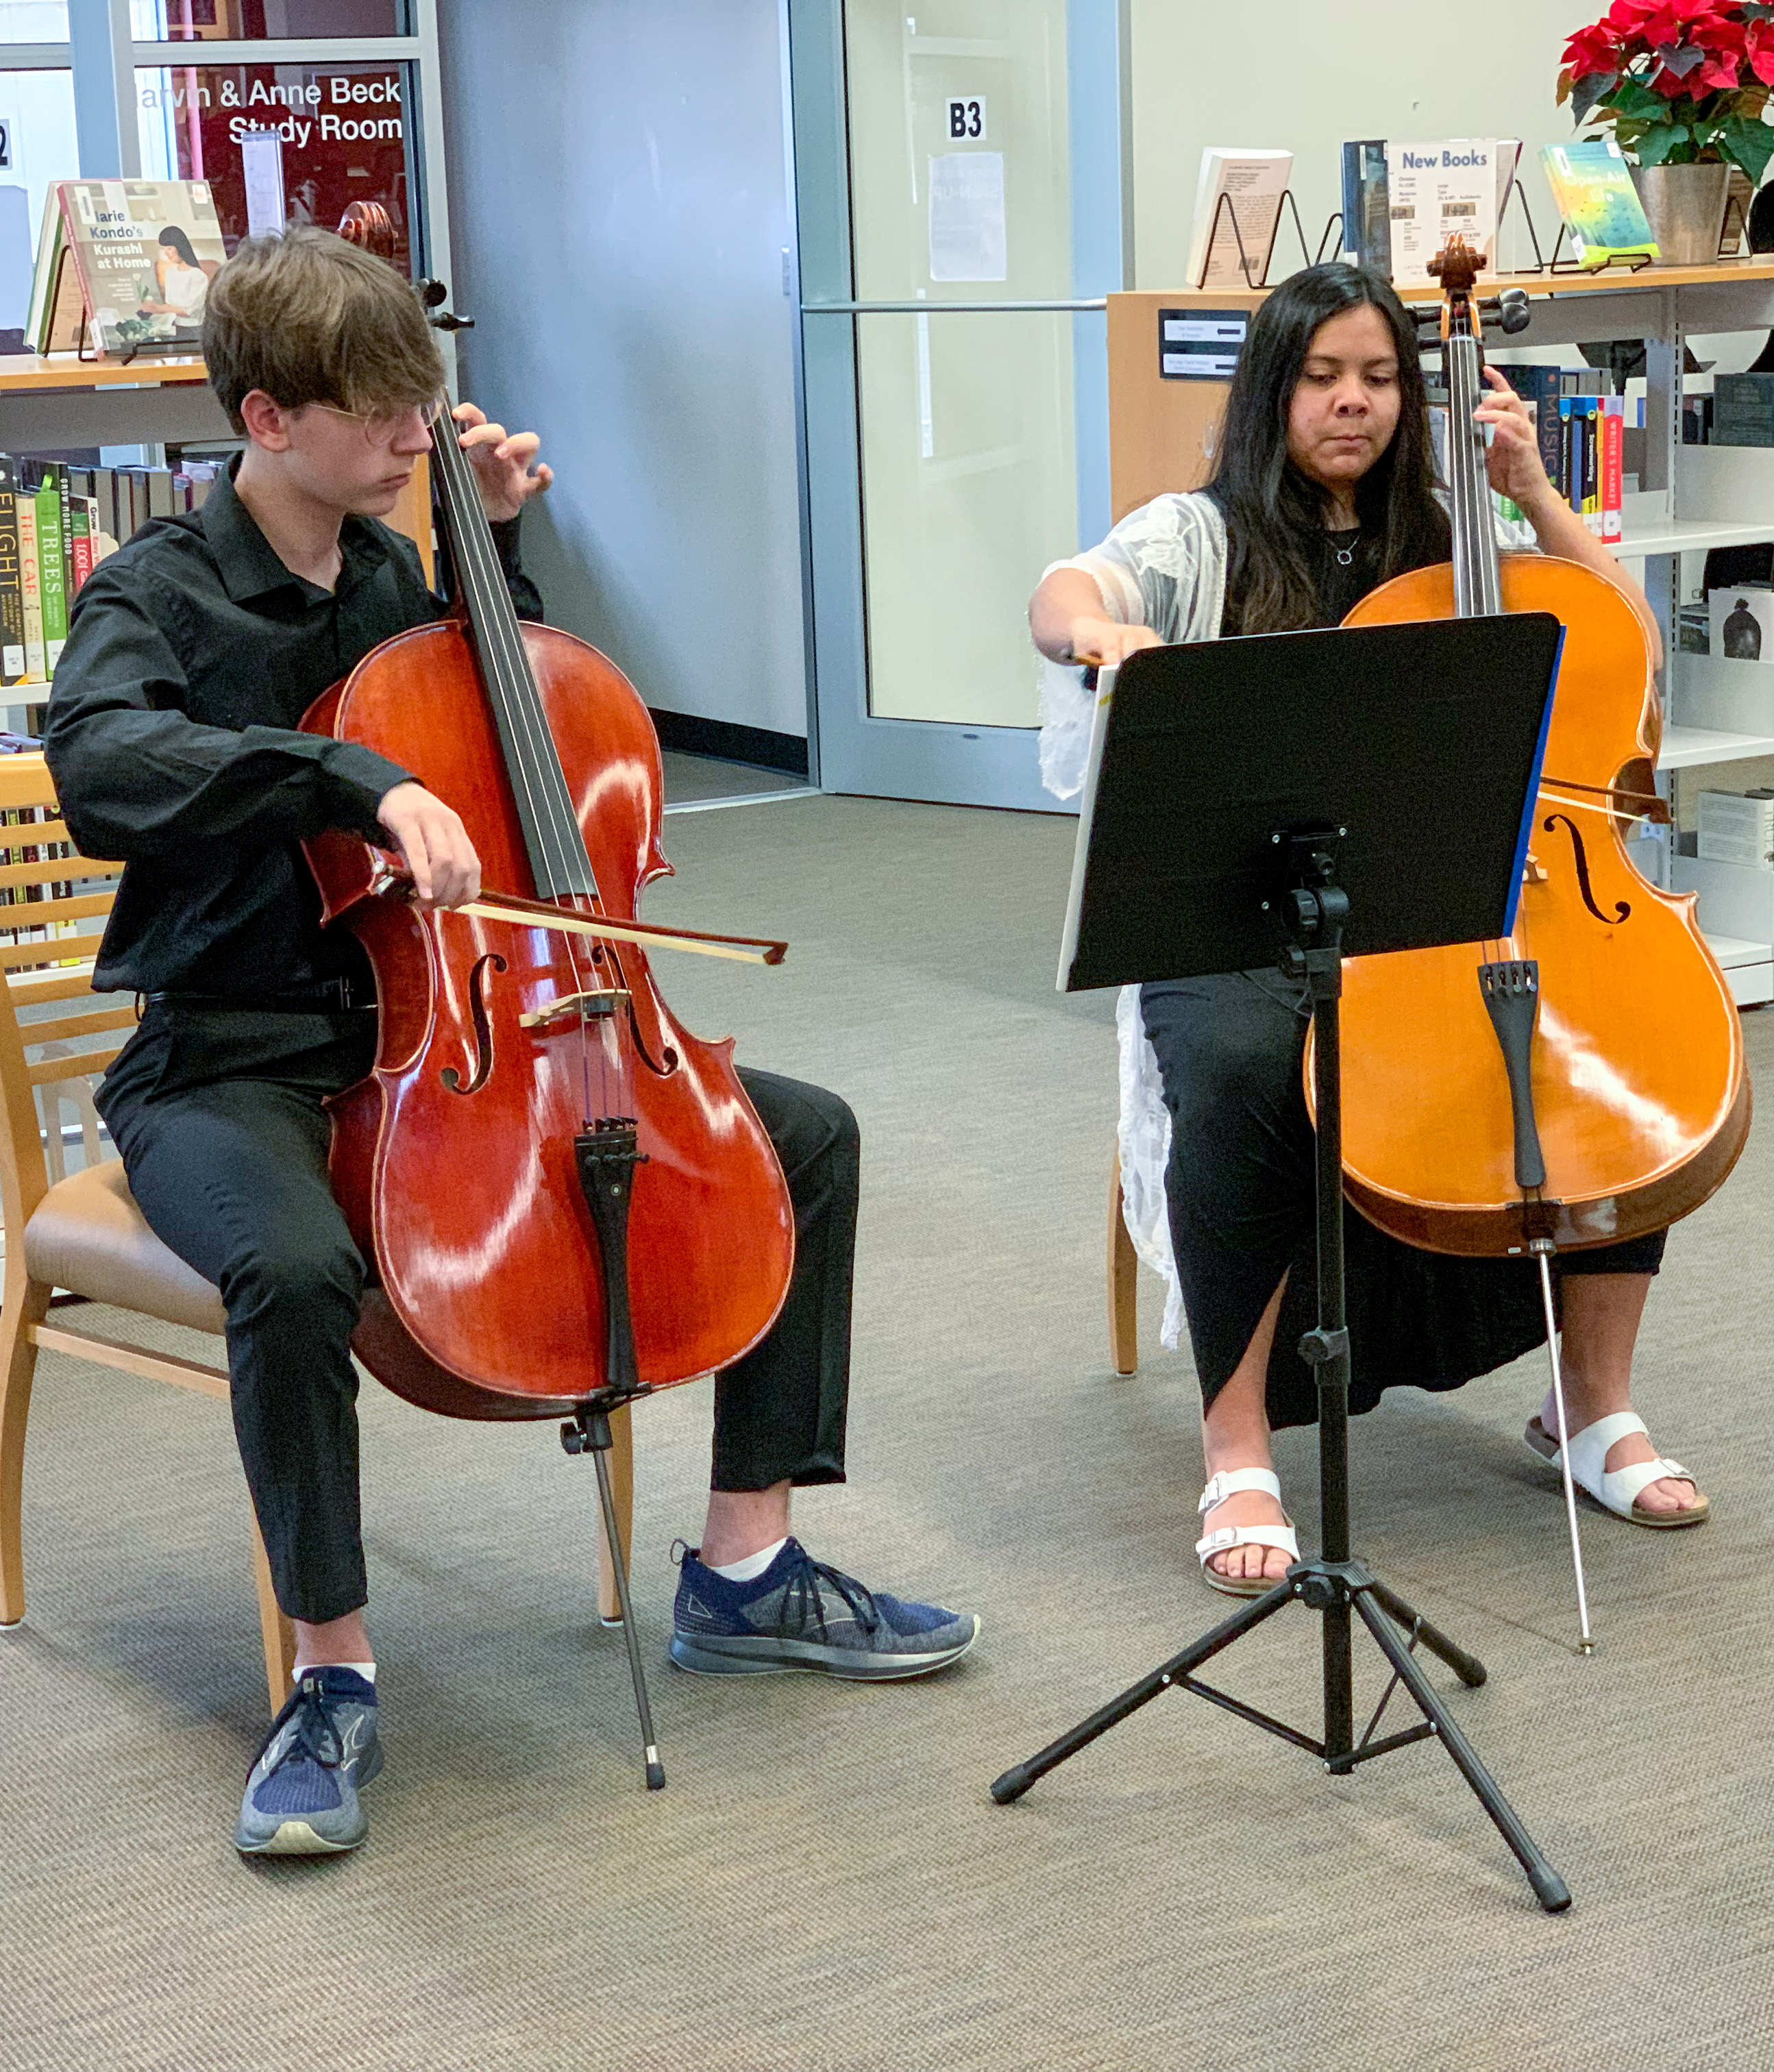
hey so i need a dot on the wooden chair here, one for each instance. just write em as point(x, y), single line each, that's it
point(1123, 1280)
point(81, 1232)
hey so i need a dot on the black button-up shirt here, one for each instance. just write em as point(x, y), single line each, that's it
point(192, 654)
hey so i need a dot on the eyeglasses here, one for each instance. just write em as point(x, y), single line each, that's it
point(384, 427)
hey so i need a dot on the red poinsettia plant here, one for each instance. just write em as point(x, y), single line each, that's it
point(1679, 81)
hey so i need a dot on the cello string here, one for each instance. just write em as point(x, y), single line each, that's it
point(564, 861)
point(565, 864)
point(471, 559)
point(507, 667)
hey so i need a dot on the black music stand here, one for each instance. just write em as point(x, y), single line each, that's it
point(1308, 796)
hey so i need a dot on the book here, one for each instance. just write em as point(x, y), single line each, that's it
point(63, 483)
point(1538, 387)
point(1743, 410)
point(132, 502)
point(1584, 409)
point(1736, 827)
point(104, 543)
point(24, 503)
point(80, 543)
point(1435, 190)
point(1613, 466)
point(1594, 193)
point(1585, 488)
point(145, 252)
point(105, 490)
point(43, 274)
point(1742, 622)
point(52, 568)
point(1367, 228)
point(12, 602)
point(1251, 182)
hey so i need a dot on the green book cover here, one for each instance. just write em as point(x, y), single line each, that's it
point(1595, 193)
point(12, 601)
point(52, 576)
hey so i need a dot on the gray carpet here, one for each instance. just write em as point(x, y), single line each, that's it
point(692, 779)
point(824, 1886)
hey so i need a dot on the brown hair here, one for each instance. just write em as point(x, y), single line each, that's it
point(310, 318)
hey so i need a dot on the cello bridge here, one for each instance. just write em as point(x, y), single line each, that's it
point(584, 1006)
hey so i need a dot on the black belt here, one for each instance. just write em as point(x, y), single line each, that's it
point(322, 996)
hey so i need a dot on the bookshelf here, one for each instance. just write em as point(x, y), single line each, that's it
point(48, 404)
point(1162, 435)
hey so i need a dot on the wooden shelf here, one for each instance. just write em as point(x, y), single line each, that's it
point(1725, 272)
point(31, 373)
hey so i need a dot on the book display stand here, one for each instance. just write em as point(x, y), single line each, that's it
point(157, 348)
point(1542, 264)
point(1260, 280)
point(1615, 263)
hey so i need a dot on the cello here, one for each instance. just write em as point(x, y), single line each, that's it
point(568, 1199)
point(1582, 1082)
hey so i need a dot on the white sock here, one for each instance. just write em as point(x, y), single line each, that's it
point(366, 1670)
point(754, 1565)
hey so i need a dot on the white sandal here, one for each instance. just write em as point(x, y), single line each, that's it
point(1282, 1536)
point(1617, 1489)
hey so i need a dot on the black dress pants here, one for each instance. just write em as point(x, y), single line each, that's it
point(1241, 1188)
point(218, 1115)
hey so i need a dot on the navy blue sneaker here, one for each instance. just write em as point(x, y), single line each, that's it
point(300, 1798)
point(801, 1614)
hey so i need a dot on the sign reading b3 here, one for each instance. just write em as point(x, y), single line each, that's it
point(967, 121)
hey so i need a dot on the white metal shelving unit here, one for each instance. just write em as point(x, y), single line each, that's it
point(1692, 499)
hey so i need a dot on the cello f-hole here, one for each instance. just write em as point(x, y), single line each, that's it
point(484, 1047)
point(666, 1064)
point(1623, 908)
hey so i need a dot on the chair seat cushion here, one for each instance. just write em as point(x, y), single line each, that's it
point(88, 1236)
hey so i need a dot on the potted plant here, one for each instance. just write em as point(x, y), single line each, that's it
point(1682, 83)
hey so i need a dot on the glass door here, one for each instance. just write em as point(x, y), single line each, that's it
point(958, 185)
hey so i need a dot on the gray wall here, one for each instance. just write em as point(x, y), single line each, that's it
point(618, 200)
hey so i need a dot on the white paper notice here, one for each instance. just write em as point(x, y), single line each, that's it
point(1434, 190)
point(967, 240)
point(261, 162)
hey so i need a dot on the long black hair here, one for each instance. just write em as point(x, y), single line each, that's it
point(171, 234)
point(1274, 514)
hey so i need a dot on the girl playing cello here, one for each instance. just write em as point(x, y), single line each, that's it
point(1323, 489)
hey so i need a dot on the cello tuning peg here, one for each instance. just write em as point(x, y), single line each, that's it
point(433, 294)
point(1513, 311)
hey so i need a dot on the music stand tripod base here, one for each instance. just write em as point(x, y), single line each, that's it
point(1194, 856)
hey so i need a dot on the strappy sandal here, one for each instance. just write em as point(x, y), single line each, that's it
point(1282, 1536)
point(1618, 1490)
